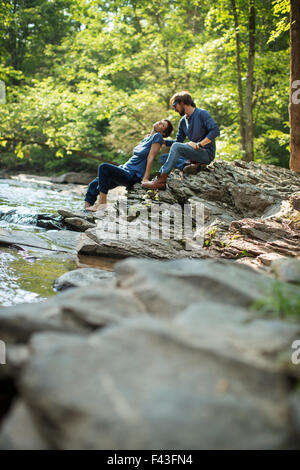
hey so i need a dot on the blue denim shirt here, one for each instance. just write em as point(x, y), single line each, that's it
point(199, 125)
point(136, 165)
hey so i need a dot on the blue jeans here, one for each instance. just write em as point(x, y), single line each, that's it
point(109, 177)
point(179, 150)
point(180, 163)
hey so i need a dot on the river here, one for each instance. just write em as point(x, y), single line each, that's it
point(27, 273)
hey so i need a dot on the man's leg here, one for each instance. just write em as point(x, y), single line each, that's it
point(177, 150)
point(182, 161)
point(184, 150)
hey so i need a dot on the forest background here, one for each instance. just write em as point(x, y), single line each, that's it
point(85, 79)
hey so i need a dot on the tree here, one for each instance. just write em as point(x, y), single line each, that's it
point(295, 84)
point(249, 127)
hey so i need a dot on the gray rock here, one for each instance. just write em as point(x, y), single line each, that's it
point(77, 310)
point(19, 322)
point(82, 277)
point(295, 410)
point(250, 199)
point(61, 240)
point(91, 242)
point(54, 240)
point(171, 286)
point(140, 385)
point(18, 237)
point(287, 270)
point(19, 430)
point(78, 224)
point(237, 334)
point(78, 214)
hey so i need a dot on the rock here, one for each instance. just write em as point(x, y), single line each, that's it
point(74, 178)
point(287, 270)
point(18, 237)
point(240, 335)
point(98, 306)
point(295, 201)
point(267, 259)
point(79, 311)
point(19, 430)
point(295, 410)
point(92, 243)
point(255, 237)
point(250, 199)
point(61, 240)
point(171, 286)
point(82, 277)
point(128, 394)
point(50, 222)
point(18, 323)
point(79, 224)
point(54, 240)
point(77, 214)
point(262, 194)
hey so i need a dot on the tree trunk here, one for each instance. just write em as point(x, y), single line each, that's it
point(295, 86)
point(249, 126)
point(239, 75)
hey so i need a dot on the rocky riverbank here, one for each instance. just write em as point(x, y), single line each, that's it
point(167, 353)
point(251, 215)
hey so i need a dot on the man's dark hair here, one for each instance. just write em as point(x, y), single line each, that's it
point(169, 129)
point(183, 97)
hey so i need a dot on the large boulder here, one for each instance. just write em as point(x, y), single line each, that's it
point(171, 286)
point(144, 385)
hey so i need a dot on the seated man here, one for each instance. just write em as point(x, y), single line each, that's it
point(199, 127)
point(138, 167)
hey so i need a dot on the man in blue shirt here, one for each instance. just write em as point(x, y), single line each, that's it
point(199, 127)
point(138, 167)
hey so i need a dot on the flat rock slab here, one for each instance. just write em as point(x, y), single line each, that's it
point(79, 310)
point(14, 237)
point(91, 242)
point(54, 240)
point(237, 334)
point(139, 385)
point(62, 240)
point(173, 285)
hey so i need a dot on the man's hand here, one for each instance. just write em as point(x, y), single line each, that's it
point(145, 180)
point(193, 145)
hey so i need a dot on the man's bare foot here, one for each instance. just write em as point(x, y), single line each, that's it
point(86, 204)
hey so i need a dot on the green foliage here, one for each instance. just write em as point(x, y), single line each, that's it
point(283, 300)
point(281, 9)
point(90, 77)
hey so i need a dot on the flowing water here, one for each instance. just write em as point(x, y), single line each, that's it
point(27, 273)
